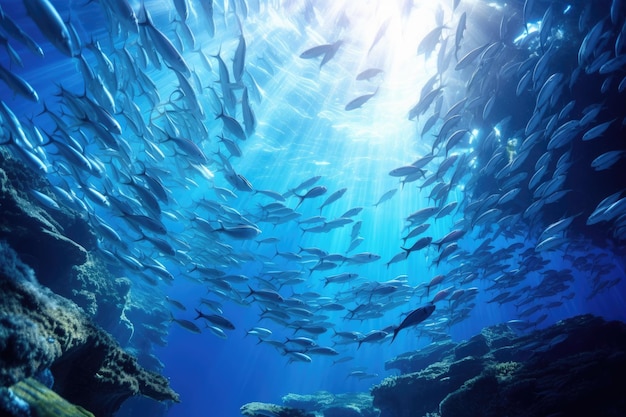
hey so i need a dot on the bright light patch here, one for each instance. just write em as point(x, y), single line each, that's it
point(532, 27)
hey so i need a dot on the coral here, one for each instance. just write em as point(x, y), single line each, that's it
point(506, 370)
point(44, 330)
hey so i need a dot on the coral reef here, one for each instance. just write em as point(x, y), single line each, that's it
point(570, 368)
point(40, 329)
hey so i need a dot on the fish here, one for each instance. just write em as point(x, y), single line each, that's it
point(207, 8)
point(239, 59)
point(368, 74)
point(374, 336)
point(607, 160)
point(379, 35)
point(18, 84)
point(332, 198)
point(164, 46)
point(386, 197)
point(328, 51)
point(359, 101)
point(340, 278)
point(418, 245)
point(217, 320)
point(429, 42)
point(597, 131)
point(49, 22)
point(460, 28)
point(414, 318)
point(240, 231)
point(186, 324)
point(312, 193)
point(18, 33)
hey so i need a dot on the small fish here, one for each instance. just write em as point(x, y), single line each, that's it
point(217, 320)
point(312, 193)
point(333, 197)
point(18, 84)
point(420, 244)
point(186, 324)
point(47, 18)
point(381, 32)
point(240, 231)
point(415, 317)
point(359, 101)
point(387, 196)
point(368, 74)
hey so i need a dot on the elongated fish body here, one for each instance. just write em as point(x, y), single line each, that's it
point(315, 51)
point(50, 24)
point(333, 197)
point(359, 101)
point(414, 318)
point(368, 74)
point(239, 59)
point(241, 231)
point(312, 193)
point(16, 32)
point(18, 84)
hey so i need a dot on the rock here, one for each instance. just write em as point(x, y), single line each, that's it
point(416, 394)
point(43, 402)
point(57, 244)
point(476, 346)
point(342, 411)
point(313, 402)
point(257, 409)
point(417, 360)
point(567, 369)
point(40, 329)
point(317, 405)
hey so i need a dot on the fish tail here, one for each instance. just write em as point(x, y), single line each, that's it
point(395, 333)
point(199, 314)
point(251, 291)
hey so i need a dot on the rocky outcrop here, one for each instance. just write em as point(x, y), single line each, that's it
point(57, 243)
point(42, 330)
point(321, 404)
point(571, 368)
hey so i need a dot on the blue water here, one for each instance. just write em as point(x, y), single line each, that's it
point(303, 131)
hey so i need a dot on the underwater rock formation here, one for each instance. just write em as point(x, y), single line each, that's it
point(320, 404)
point(257, 409)
point(571, 368)
point(43, 402)
point(40, 330)
point(57, 243)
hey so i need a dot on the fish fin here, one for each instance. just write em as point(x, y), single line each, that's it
point(395, 333)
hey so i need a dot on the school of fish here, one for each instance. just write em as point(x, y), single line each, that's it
point(149, 115)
